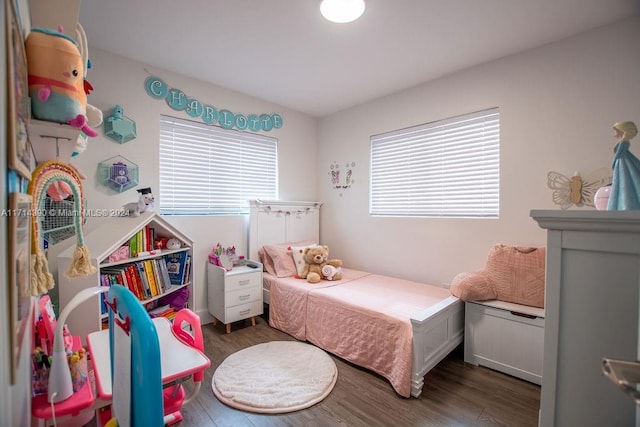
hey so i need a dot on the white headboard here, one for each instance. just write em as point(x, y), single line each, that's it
point(276, 221)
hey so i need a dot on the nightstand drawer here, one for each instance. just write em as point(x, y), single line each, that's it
point(243, 281)
point(243, 311)
point(243, 296)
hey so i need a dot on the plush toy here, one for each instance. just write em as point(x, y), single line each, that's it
point(60, 190)
point(94, 116)
point(56, 79)
point(161, 243)
point(144, 203)
point(119, 127)
point(174, 243)
point(329, 272)
point(315, 258)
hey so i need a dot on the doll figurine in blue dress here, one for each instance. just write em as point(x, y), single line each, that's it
point(625, 186)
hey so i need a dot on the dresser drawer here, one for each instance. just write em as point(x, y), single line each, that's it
point(243, 296)
point(243, 281)
point(243, 311)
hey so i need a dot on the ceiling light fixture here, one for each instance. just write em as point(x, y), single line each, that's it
point(342, 11)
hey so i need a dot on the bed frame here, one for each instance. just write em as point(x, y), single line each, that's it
point(276, 222)
point(436, 331)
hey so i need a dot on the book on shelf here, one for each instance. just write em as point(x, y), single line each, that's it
point(153, 269)
point(141, 241)
point(187, 270)
point(143, 279)
point(149, 236)
point(119, 276)
point(130, 282)
point(146, 278)
point(161, 274)
point(148, 270)
point(163, 311)
point(132, 271)
point(176, 267)
point(104, 281)
point(156, 276)
point(133, 246)
point(164, 273)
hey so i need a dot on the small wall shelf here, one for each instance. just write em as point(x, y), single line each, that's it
point(118, 173)
point(119, 127)
point(55, 141)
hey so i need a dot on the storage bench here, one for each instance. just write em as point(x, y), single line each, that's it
point(506, 337)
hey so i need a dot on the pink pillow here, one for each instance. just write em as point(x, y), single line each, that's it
point(280, 261)
point(277, 259)
point(267, 263)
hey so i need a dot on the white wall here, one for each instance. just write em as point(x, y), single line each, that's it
point(118, 80)
point(557, 105)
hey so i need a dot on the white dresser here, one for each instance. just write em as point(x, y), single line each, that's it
point(235, 294)
point(591, 311)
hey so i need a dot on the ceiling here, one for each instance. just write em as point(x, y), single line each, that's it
point(283, 51)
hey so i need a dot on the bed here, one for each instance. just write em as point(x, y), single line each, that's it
point(397, 328)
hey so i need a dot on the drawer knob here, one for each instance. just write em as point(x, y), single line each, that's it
point(244, 282)
point(247, 311)
point(244, 297)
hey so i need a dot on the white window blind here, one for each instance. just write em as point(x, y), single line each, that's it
point(448, 168)
point(208, 170)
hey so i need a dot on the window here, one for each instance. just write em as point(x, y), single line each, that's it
point(206, 170)
point(448, 168)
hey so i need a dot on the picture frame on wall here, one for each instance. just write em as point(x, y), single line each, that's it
point(19, 155)
point(19, 257)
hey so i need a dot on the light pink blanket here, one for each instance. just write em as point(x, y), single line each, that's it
point(367, 322)
point(288, 300)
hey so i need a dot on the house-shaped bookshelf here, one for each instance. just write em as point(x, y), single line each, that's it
point(112, 234)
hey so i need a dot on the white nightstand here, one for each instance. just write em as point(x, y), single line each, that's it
point(235, 294)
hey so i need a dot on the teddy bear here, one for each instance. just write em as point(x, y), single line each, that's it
point(315, 258)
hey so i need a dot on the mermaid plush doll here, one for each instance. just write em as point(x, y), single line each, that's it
point(56, 79)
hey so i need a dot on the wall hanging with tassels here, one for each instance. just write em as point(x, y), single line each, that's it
point(44, 175)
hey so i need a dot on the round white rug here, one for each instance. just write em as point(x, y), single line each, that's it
point(275, 377)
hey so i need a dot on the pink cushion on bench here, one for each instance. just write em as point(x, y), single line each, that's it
point(512, 273)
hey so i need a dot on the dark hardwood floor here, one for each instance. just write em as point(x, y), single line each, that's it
point(455, 393)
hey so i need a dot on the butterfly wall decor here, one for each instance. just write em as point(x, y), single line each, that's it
point(334, 173)
point(577, 190)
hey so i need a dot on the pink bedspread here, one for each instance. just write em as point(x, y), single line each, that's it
point(366, 321)
point(288, 300)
